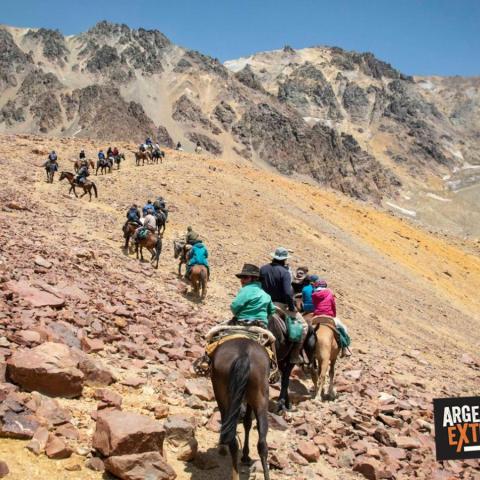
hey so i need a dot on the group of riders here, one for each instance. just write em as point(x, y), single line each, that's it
point(272, 289)
point(153, 148)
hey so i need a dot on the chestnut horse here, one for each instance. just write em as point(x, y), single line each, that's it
point(142, 156)
point(88, 186)
point(240, 370)
point(78, 163)
point(153, 243)
point(326, 354)
point(199, 278)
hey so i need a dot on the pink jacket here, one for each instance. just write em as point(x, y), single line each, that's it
point(324, 302)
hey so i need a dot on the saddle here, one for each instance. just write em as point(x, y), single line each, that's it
point(142, 233)
point(224, 333)
point(324, 320)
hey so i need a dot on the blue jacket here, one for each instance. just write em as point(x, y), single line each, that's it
point(307, 298)
point(147, 207)
point(198, 255)
point(101, 156)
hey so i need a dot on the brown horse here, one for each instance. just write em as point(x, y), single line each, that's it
point(103, 165)
point(128, 231)
point(142, 156)
point(118, 158)
point(153, 243)
point(198, 279)
point(88, 186)
point(78, 163)
point(240, 370)
point(326, 353)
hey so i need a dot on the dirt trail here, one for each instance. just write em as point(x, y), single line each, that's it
point(408, 296)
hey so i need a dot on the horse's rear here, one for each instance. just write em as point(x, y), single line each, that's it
point(240, 371)
point(326, 353)
point(199, 279)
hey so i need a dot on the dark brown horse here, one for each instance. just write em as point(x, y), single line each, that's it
point(88, 186)
point(198, 279)
point(142, 156)
point(78, 163)
point(153, 243)
point(240, 370)
point(118, 158)
point(157, 155)
point(103, 165)
point(283, 348)
point(128, 231)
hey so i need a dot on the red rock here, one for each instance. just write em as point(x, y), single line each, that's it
point(18, 425)
point(95, 464)
point(180, 435)
point(96, 374)
point(27, 337)
point(39, 441)
point(108, 398)
point(90, 345)
point(49, 411)
point(214, 424)
point(408, 443)
point(134, 382)
point(161, 411)
point(34, 296)
point(276, 422)
point(368, 467)
point(309, 451)
point(277, 460)
point(4, 471)
point(297, 459)
point(49, 368)
point(141, 466)
point(67, 431)
point(122, 433)
point(41, 262)
point(57, 448)
point(199, 387)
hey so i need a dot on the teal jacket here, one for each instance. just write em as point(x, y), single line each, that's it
point(253, 303)
point(198, 255)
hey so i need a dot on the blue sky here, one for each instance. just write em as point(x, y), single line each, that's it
point(422, 37)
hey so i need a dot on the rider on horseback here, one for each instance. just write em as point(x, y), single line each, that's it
point(133, 215)
point(252, 305)
point(277, 282)
point(101, 155)
point(191, 237)
point(324, 305)
point(115, 151)
point(307, 294)
point(82, 174)
point(198, 255)
point(82, 155)
point(109, 152)
point(52, 157)
point(148, 142)
point(161, 207)
point(148, 206)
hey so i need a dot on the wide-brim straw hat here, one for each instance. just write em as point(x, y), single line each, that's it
point(249, 270)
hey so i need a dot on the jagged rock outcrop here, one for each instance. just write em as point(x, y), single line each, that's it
point(225, 114)
point(54, 47)
point(13, 60)
point(207, 143)
point(186, 111)
point(248, 78)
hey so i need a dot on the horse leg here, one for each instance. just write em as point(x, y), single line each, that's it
point(204, 286)
point(141, 253)
point(247, 425)
point(136, 250)
point(283, 400)
point(332, 392)
point(262, 447)
point(323, 357)
point(233, 447)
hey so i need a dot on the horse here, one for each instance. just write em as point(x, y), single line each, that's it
point(157, 155)
point(78, 163)
point(283, 348)
point(88, 186)
point(326, 354)
point(129, 229)
point(198, 278)
point(50, 169)
point(180, 249)
point(118, 158)
point(142, 156)
point(153, 243)
point(240, 371)
point(104, 164)
point(161, 222)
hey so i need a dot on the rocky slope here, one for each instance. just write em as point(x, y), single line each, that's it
point(346, 119)
point(128, 333)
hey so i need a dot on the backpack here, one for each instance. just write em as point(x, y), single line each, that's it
point(294, 329)
point(142, 234)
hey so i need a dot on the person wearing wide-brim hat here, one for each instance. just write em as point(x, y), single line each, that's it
point(277, 282)
point(252, 305)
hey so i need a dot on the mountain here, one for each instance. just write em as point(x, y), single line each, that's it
point(347, 120)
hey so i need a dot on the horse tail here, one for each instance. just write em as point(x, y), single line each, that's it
point(95, 190)
point(238, 380)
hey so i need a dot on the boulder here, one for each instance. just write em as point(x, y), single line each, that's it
point(49, 368)
point(199, 387)
point(39, 441)
point(95, 464)
point(34, 296)
point(123, 433)
point(309, 451)
point(56, 448)
point(4, 471)
point(96, 374)
point(180, 435)
point(141, 466)
point(368, 467)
